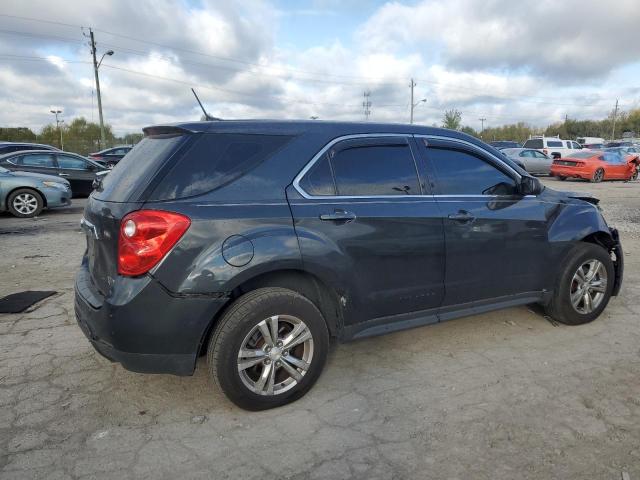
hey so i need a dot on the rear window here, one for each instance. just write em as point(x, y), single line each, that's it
point(134, 172)
point(581, 155)
point(554, 143)
point(215, 160)
point(534, 143)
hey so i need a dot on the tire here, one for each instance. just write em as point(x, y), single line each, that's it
point(110, 165)
point(25, 203)
point(598, 176)
point(239, 328)
point(562, 179)
point(634, 175)
point(561, 308)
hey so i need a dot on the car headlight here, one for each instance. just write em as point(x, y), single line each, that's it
point(58, 185)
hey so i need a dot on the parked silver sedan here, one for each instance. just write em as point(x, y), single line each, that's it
point(25, 194)
point(533, 161)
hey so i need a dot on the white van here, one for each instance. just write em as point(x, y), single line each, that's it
point(590, 140)
point(553, 146)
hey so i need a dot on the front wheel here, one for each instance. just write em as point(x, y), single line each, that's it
point(268, 349)
point(584, 285)
point(25, 203)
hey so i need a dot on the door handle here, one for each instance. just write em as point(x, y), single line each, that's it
point(338, 216)
point(462, 217)
point(63, 174)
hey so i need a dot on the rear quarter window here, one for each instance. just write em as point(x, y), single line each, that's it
point(134, 172)
point(216, 160)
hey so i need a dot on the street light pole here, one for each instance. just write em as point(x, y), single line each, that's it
point(96, 65)
point(414, 105)
point(58, 122)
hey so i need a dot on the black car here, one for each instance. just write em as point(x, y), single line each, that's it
point(500, 144)
point(10, 147)
point(79, 171)
point(256, 241)
point(110, 156)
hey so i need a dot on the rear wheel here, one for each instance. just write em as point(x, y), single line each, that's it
point(584, 285)
point(634, 175)
point(268, 349)
point(25, 203)
point(598, 176)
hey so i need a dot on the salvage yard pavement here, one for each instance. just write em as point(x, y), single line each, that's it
point(501, 395)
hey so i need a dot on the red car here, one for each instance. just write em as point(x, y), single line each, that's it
point(596, 166)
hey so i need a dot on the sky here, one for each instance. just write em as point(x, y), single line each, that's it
point(535, 61)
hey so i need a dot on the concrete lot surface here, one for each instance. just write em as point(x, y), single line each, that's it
point(504, 395)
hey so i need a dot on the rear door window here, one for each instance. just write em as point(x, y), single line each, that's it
point(213, 161)
point(74, 163)
point(44, 160)
point(554, 144)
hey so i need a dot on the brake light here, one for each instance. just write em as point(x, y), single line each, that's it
point(146, 236)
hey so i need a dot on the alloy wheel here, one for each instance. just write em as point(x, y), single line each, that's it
point(598, 175)
point(275, 355)
point(25, 203)
point(588, 286)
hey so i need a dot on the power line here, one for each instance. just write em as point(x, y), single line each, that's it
point(320, 77)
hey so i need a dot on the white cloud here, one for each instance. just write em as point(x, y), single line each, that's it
point(506, 61)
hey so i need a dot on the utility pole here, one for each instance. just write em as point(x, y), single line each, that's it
point(96, 65)
point(58, 122)
point(482, 120)
point(615, 115)
point(366, 104)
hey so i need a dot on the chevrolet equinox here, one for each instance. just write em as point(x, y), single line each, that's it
point(255, 242)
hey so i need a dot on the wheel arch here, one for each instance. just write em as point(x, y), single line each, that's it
point(26, 187)
point(319, 292)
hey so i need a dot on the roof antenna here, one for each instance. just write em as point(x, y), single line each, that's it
point(206, 115)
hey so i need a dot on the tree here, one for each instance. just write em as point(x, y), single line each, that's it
point(469, 130)
point(452, 119)
point(17, 134)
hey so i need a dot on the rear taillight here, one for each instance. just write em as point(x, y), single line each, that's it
point(146, 236)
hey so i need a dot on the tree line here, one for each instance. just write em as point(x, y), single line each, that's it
point(627, 123)
point(78, 136)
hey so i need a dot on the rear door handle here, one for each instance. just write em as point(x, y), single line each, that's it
point(462, 217)
point(338, 216)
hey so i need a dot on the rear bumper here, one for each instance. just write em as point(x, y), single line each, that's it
point(141, 326)
point(570, 172)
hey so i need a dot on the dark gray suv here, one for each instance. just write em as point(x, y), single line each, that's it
point(255, 242)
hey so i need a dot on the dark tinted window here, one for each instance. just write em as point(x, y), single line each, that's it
point(461, 173)
point(319, 180)
point(554, 143)
point(75, 163)
point(375, 170)
point(534, 143)
point(37, 160)
point(215, 160)
point(134, 172)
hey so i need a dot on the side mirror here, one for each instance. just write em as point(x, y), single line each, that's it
point(530, 186)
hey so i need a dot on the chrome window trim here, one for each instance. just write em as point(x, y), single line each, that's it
point(318, 156)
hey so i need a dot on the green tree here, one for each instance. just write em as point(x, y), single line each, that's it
point(469, 130)
point(452, 119)
point(17, 134)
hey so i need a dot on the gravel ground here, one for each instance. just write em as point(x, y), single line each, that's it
point(502, 395)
